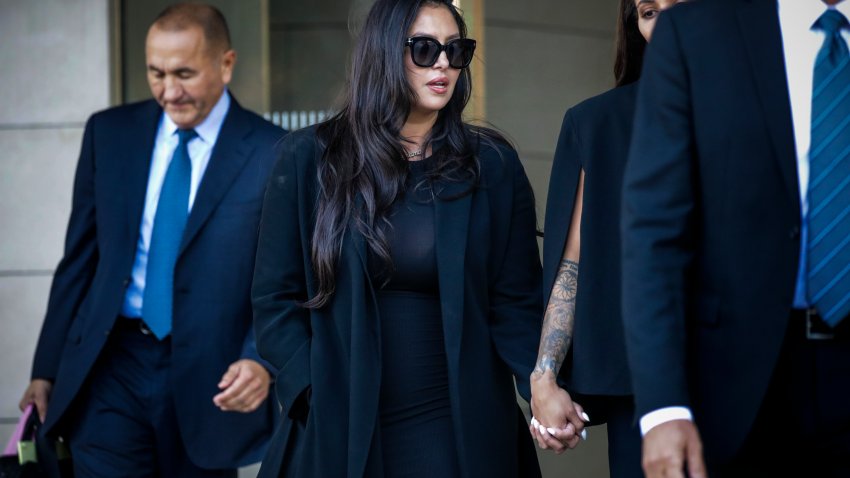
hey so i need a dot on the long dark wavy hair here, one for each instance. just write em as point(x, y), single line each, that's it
point(363, 168)
point(630, 45)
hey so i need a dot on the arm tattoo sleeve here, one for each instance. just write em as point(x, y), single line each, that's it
point(558, 320)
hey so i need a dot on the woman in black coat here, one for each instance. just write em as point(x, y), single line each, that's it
point(582, 328)
point(397, 284)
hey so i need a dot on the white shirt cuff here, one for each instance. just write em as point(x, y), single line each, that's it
point(663, 415)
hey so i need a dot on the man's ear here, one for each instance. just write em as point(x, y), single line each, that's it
point(228, 61)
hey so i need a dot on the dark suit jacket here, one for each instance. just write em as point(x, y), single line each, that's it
point(489, 282)
point(711, 217)
point(212, 308)
point(595, 137)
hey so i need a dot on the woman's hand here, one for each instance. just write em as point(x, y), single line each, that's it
point(557, 422)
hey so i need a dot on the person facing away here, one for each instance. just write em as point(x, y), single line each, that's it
point(147, 362)
point(735, 241)
point(582, 340)
point(397, 285)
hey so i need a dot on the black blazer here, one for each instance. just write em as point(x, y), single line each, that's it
point(212, 308)
point(489, 282)
point(711, 217)
point(594, 136)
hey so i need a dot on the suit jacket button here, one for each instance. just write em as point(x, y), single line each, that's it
point(126, 282)
point(794, 232)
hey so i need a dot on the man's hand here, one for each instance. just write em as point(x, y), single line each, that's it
point(38, 393)
point(244, 387)
point(672, 447)
point(562, 420)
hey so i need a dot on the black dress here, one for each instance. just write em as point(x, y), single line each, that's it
point(416, 430)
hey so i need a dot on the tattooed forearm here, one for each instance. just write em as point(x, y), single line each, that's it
point(559, 320)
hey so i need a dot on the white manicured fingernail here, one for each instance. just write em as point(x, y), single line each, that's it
point(585, 417)
point(542, 429)
point(584, 434)
point(552, 430)
point(534, 422)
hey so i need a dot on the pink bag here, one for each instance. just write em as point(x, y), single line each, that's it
point(12, 447)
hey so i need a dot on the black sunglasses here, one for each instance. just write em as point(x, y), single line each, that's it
point(424, 51)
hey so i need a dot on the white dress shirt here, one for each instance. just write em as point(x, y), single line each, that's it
point(800, 45)
point(200, 148)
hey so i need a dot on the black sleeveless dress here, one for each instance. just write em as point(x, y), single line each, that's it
point(417, 435)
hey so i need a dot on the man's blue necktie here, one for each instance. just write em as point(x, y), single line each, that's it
point(829, 174)
point(172, 210)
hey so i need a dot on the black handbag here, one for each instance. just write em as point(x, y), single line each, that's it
point(37, 456)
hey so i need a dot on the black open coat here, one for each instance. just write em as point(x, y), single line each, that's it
point(329, 359)
point(594, 137)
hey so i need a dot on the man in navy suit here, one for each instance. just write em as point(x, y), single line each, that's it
point(736, 241)
point(146, 361)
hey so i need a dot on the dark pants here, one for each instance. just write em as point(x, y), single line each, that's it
point(803, 426)
point(624, 440)
point(127, 424)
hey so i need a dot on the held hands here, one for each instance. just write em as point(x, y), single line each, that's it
point(672, 447)
point(557, 422)
point(244, 387)
point(38, 393)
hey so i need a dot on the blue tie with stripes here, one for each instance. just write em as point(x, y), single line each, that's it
point(829, 174)
point(172, 210)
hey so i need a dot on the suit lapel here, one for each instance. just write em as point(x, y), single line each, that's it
point(229, 156)
point(138, 142)
point(451, 219)
point(759, 22)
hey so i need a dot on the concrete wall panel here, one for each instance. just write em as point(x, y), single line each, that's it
point(24, 301)
point(590, 18)
point(529, 89)
point(55, 60)
point(36, 180)
point(56, 57)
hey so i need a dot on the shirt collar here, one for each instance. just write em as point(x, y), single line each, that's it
point(800, 15)
point(844, 8)
point(210, 127)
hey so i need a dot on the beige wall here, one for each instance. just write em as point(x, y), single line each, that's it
point(543, 57)
point(56, 73)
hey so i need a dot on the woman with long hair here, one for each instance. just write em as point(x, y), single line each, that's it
point(582, 340)
point(397, 284)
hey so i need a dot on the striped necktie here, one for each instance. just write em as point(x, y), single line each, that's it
point(829, 174)
point(172, 210)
